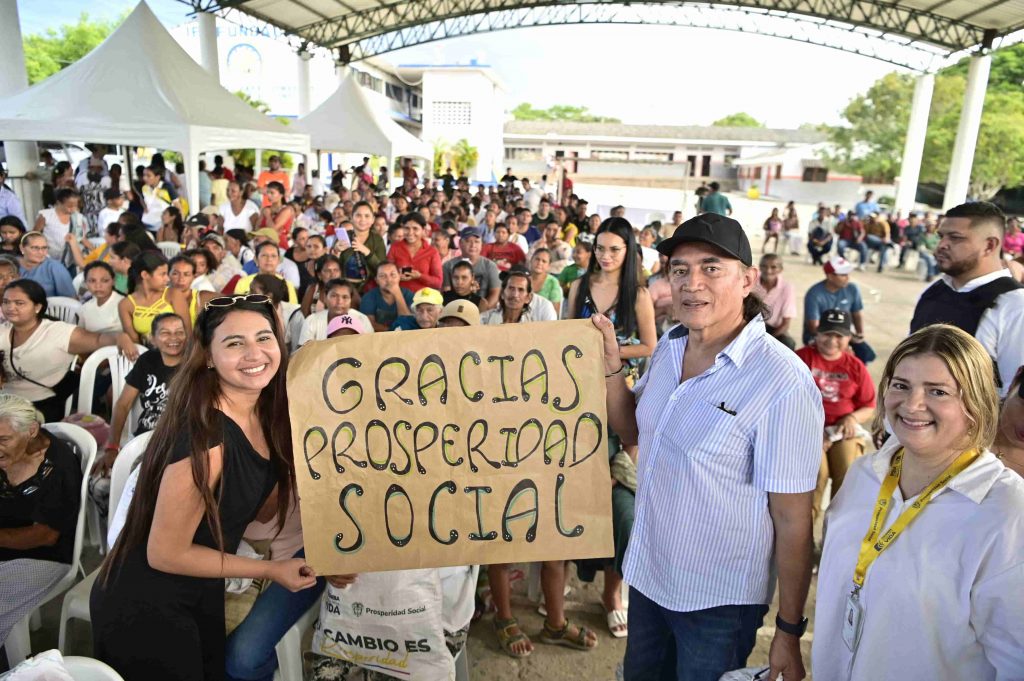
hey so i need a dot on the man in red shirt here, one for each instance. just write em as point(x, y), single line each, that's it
point(503, 252)
point(851, 234)
point(847, 394)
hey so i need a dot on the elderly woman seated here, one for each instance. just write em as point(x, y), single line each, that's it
point(40, 481)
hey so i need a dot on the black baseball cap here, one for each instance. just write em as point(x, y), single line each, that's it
point(711, 228)
point(835, 321)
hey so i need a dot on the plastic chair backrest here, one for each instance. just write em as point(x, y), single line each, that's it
point(86, 446)
point(169, 248)
point(124, 463)
point(119, 368)
point(63, 308)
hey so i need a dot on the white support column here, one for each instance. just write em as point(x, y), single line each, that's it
point(303, 81)
point(913, 148)
point(208, 57)
point(967, 133)
point(22, 157)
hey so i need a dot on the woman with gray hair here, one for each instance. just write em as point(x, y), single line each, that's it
point(40, 484)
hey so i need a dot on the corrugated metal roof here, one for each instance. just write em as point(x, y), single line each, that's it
point(951, 25)
point(666, 132)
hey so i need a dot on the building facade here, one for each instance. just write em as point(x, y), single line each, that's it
point(654, 155)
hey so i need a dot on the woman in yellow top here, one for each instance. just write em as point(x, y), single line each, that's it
point(94, 252)
point(182, 272)
point(268, 258)
point(148, 296)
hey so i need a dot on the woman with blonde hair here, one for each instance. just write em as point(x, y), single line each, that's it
point(923, 562)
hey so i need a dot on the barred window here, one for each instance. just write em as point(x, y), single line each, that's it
point(452, 113)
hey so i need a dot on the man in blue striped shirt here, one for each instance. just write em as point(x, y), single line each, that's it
point(729, 425)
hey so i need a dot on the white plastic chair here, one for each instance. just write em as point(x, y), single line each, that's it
point(119, 368)
point(289, 648)
point(18, 642)
point(76, 600)
point(64, 309)
point(88, 669)
point(169, 248)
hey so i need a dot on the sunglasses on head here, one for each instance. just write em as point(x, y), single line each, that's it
point(229, 301)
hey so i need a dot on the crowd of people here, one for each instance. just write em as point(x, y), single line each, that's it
point(728, 426)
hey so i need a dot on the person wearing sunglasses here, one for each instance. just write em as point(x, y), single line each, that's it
point(220, 457)
point(1009, 442)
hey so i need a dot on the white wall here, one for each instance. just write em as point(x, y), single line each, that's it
point(486, 102)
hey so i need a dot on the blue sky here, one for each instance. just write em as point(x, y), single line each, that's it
point(640, 74)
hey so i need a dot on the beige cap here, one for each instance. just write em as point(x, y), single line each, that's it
point(462, 309)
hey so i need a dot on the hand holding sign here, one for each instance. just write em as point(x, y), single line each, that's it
point(452, 446)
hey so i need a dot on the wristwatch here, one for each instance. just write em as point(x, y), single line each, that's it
point(791, 629)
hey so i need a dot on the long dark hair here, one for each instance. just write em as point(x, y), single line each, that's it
point(625, 307)
point(194, 393)
point(35, 292)
point(177, 223)
point(147, 261)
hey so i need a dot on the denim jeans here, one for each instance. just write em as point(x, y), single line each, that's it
point(859, 246)
point(929, 260)
point(249, 651)
point(818, 251)
point(876, 244)
point(701, 645)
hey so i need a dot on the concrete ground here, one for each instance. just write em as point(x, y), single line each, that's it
point(889, 301)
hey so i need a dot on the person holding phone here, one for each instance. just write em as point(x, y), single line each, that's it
point(418, 262)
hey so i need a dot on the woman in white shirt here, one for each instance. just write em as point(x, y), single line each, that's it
point(922, 572)
point(342, 298)
point(99, 313)
point(237, 212)
point(37, 351)
point(57, 222)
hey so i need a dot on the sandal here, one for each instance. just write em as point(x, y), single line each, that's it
point(561, 637)
point(509, 634)
point(618, 623)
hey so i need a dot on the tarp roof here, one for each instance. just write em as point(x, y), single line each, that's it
point(951, 25)
point(139, 87)
point(348, 122)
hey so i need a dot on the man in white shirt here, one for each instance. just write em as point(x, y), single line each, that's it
point(95, 159)
point(975, 292)
point(729, 426)
point(531, 196)
point(518, 303)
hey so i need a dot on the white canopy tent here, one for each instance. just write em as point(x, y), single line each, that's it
point(348, 122)
point(140, 88)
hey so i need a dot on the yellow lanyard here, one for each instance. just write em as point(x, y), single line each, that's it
point(873, 545)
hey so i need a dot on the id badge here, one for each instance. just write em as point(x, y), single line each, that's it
point(852, 621)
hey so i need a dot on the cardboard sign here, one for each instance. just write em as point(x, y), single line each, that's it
point(454, 446)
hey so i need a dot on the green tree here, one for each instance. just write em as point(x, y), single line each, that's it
point(464, 157)
point(441, 154)
point(559, 112)
point(740, 119)
point(49, 52)
point(871, 142)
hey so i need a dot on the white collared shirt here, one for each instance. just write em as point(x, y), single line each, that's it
point(946, 598)
point(712, 449)
point(1001, 327)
